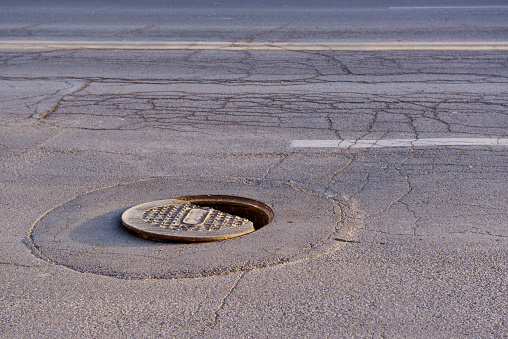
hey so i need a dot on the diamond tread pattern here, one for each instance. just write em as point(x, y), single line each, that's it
point(172, 217)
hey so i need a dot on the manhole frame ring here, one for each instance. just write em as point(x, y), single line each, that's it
point(132, 220)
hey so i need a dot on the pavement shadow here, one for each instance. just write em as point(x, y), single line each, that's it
point(107, 230)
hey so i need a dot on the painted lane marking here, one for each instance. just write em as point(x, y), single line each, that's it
point(263, 46)
point(425, 142)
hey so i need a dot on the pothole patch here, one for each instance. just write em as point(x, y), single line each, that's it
point(285, 222)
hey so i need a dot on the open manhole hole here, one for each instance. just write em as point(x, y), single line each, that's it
point(197, 218)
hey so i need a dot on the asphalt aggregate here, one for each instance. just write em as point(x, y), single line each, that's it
point(386, 168)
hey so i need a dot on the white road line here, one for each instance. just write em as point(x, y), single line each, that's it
point(451, 7)
point(263, 46)
point(426, 142)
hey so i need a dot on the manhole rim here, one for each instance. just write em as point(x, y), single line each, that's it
point(133, 221)
point(233, 200)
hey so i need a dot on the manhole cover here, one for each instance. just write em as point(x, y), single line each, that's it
point(216, 218)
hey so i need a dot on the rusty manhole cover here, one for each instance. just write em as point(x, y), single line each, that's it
point(196, 218)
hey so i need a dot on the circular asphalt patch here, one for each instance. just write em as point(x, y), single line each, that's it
point(86, 233)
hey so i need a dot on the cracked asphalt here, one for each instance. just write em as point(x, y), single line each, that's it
point(406, 241)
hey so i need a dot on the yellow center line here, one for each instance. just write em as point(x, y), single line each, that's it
point(262, 46)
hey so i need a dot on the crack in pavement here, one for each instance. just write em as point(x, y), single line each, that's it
point(242, 80)
point(331, 59)
point(313, 67)
point(222, 303)
point(409, 190)
point(282, 158)
point(19, 265)
point(348, 113)
point(66, 93)
point(191, 112)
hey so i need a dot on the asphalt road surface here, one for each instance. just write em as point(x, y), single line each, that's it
point(377, 132)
